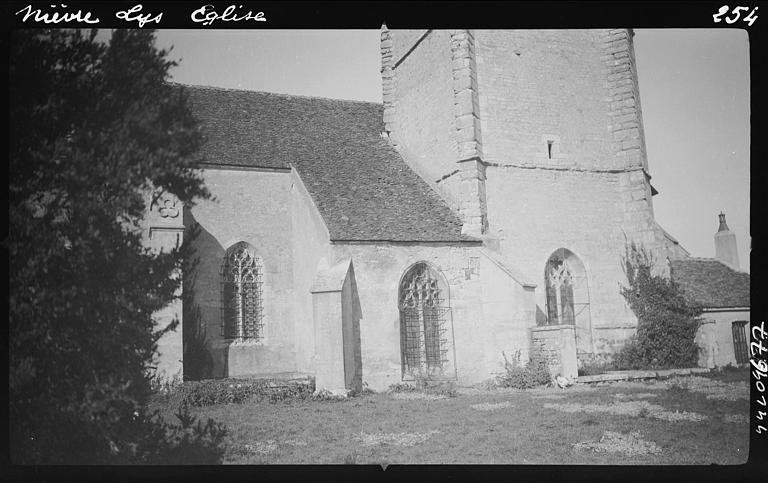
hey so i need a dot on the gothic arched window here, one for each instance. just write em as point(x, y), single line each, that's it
point(241, 277)
point(567, 290)
point(425, 333)
point(559, 279)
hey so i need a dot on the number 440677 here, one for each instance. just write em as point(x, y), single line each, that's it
point(756, 349)
point(750, 19)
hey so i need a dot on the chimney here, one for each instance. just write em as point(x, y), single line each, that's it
point(725, 244)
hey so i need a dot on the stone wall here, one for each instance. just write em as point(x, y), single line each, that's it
point(431, 111)
point(491, 307)
point(163, 232)
point(422, 119)
point(715, 337)
point(490, 311)
point(545, 341)
point(556, 122)
point(310, 244)
point(557, 345)
point(254, 207)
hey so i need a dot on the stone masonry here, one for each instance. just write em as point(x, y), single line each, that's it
point(547, 130)
point(469, 140)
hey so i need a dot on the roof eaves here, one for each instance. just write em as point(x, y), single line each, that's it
point(470, 241)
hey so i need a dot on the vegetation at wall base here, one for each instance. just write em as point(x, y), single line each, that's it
point(533, 374)
point(667, 320)
point(95, 126)
point(239, 391)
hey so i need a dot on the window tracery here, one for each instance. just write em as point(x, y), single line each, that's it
point(242, 294)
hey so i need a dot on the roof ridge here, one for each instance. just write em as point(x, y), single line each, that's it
point(277, 94)
point(709, 259)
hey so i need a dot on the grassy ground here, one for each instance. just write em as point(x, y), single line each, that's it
point(620, 423)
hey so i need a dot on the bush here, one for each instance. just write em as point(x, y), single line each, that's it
point(96, 127)
point(365, 391)
point(667, 320)
point(402, 387)
point(234, 391)
point(534, 373)
point(174, 444)
point(447, 389)
point(328, 396)
point(423, 384)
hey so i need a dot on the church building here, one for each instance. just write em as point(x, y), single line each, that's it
point(483, 208)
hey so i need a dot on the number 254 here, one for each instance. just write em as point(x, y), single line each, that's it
point(750, 19)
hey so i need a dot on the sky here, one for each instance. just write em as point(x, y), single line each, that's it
point(694, 96)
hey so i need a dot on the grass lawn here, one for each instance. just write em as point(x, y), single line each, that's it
point(624, 423)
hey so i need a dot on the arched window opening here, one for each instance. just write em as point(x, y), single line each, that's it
point(426, 335)
point(559, 287)
point(567, 296)
point(241, 277)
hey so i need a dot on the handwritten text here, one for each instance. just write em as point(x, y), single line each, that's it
point(206, 15)
point(56, 17)
point(133, 15)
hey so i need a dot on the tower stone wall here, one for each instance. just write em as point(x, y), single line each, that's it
point(536, 139)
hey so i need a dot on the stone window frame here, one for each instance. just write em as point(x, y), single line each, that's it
point(575, 270)
point(242, 295)
point(439, 308)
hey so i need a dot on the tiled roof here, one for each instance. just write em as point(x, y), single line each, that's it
point(711, 283)
point(360, 184)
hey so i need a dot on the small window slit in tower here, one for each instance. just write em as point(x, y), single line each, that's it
point(549, 149)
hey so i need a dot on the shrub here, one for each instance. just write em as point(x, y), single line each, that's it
point(234, 391)
point(96, 126)
point(326, 395)
point(187, 442)
point(402, 387)
point(667, 320)
point(365, 391)
point(153, 441)
point(425, 385)
point(534, 373)
point(447, 389)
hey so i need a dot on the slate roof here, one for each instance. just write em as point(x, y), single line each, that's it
point(711, 283)
point(360, 184)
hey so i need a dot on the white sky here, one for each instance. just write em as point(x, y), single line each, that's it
point(694, 93)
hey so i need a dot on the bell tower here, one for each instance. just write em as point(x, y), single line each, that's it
point(535, 137)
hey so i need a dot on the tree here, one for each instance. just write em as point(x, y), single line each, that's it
point(94, 126)
point(666, 320)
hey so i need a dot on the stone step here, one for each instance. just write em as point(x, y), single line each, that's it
point(634, 375)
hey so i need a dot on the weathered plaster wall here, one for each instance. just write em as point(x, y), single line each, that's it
point(535, 212)
point(715, 337)
point(163, 231)
point(477, 336)
point(250, 206)
point(509, 310)
point(309, 245)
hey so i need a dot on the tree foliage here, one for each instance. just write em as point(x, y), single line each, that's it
point(667, 320)
point(94, 126)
